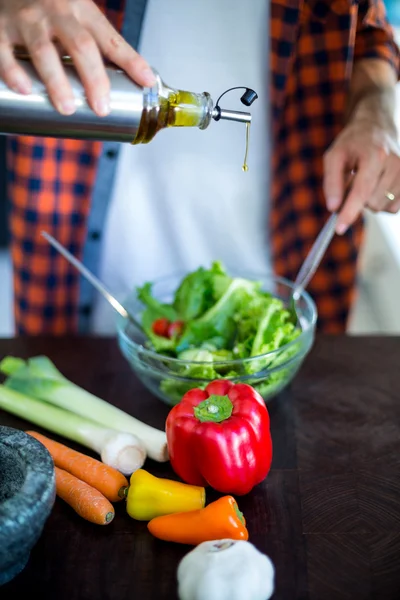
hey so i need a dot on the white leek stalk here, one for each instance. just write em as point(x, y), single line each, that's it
point(39, 378)
point(123, 451)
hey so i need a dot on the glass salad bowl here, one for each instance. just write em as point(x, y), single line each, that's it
point(170, 377)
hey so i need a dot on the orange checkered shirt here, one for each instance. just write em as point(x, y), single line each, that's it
point(314, 46)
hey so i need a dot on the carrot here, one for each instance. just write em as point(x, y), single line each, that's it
point(88, 502)
point(110, 482)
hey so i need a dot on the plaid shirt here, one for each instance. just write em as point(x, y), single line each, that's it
point(53, 183)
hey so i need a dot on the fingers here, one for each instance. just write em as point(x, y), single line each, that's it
point(363, 187)
point(389, 183)
point(83, 49)
point(335, 166)
point(86, 35)
point(394, 207)
point(48, 65)
point(391, 196)
point(117, 50)
point(11, 72)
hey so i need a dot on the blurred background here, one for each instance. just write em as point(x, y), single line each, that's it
point(377, 307)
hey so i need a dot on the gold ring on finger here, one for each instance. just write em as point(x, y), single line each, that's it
point(390, 196)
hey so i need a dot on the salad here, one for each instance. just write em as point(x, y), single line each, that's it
point(214, 318)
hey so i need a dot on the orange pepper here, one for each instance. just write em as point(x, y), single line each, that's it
point(219, 520)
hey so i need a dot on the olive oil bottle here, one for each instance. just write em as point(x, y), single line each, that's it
point(136, 115)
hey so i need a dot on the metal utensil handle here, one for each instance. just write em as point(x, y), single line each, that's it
point(315, 255)
point(88, 275)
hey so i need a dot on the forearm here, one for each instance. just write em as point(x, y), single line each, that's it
point(372, 92)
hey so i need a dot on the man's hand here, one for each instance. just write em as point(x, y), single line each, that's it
point(83, 32)
point(368, 148)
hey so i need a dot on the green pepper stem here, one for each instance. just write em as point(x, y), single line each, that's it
point(215, 409)
point(123, 492)
point(238, 513)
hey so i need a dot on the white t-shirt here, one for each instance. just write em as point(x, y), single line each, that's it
point(182, 200)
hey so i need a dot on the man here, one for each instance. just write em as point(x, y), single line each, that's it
point(333, 70)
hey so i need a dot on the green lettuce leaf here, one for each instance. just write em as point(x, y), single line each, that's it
point(153, 308)
point(199, 290)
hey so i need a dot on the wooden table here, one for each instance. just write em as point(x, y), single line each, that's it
point(328, 514)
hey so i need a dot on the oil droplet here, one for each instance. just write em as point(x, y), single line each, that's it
point(245, 165)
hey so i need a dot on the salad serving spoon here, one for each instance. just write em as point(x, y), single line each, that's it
point(100, 287)
point(311, 263)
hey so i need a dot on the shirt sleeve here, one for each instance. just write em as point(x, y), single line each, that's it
point(375, 36)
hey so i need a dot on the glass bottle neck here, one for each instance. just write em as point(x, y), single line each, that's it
point(167, 107)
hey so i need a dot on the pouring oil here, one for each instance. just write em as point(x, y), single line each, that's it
point(245, 166)
point(170, 107)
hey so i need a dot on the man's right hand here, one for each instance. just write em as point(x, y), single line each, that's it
point(85, 35)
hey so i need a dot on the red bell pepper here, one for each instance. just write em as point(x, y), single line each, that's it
point(220, 437)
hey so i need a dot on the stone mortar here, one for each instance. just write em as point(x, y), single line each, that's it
point(27, 495)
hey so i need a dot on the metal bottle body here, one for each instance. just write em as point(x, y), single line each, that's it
point(133, 109)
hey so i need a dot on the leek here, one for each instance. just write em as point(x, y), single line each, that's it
point(39, 377)
point(123, 451)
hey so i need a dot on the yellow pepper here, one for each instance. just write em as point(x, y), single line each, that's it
point(149, 496)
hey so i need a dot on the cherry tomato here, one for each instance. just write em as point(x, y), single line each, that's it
point(175, 329)
point(161, 327)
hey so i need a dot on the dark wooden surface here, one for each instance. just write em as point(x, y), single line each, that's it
point(328, 514)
